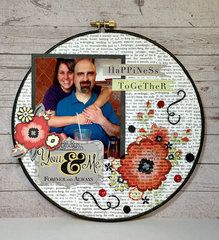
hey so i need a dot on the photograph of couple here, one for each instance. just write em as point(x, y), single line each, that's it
point(74, 98)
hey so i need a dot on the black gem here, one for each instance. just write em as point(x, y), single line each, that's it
point(127, 209)
point(146, 166)
point(33, 132)
point(171, 157)
point(120, 180)
point(159, 138)
point(131, 128)
point(190, 157)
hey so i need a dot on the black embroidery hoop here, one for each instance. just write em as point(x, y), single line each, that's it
point(195, 160)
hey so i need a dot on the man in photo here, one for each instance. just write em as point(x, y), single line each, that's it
point(103, 121)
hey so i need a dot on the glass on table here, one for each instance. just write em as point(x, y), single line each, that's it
point(82, 134)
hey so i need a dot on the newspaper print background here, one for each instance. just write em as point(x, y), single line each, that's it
point(148, 114)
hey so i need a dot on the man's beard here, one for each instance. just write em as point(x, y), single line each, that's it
point(85, 86)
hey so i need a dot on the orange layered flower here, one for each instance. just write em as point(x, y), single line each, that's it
point(159, 134)
point(32, 134)
point(145, 166)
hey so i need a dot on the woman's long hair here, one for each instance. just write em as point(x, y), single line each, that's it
point(70, 63)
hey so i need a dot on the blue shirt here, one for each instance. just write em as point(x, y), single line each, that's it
point(55, 94)
point(70, 106)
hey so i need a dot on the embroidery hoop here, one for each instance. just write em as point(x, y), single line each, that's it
point(125, 216)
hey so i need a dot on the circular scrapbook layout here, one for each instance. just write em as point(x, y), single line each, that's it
point(108, 125)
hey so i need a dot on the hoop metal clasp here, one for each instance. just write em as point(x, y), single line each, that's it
point(103, 25)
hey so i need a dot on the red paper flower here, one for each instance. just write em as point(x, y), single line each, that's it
point(151, 113)
point(158, 134)
point(145, 166)
point(142, 130)
point(140, 115)
point(185, 139)
point(32, 134)
point(175, 134)
point(148, 104)
point(188, 130)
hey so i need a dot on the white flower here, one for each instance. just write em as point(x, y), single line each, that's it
point(25, 114)
point(53, 141)
point(117, 182)
point(135, 194)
